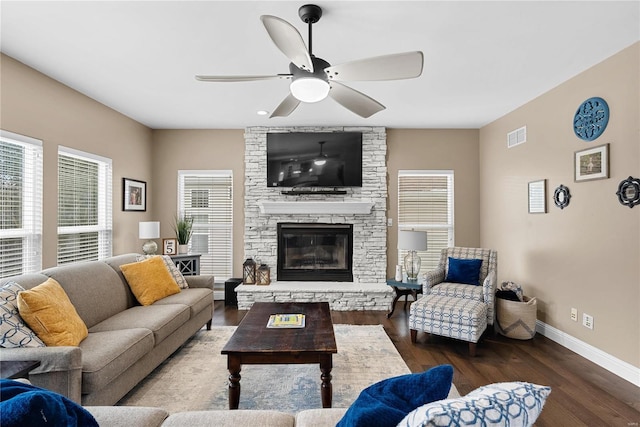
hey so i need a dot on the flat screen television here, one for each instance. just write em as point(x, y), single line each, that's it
point(314, 159)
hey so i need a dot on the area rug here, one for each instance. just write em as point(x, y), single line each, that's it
point(195, 376)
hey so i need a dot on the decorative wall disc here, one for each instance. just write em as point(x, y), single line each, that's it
point(561, 197)
point(629, 192)
point(591, 119)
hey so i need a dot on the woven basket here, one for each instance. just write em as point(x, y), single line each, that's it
point(516, 319)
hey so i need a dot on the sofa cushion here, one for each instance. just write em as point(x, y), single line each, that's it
point(458, 290)
point(80, 280)
point(49, 312)
point(162, 320)
point(171, 267)
point(106, 355)
point(500, 404)
point(464, 271)
point(319, 417)
point(225, 418)
point(387, 402)
point(13, 331)
point(130, 416)
point(197, 299)
point(149, 280)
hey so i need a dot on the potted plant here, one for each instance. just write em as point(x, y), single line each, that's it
point(183, 228)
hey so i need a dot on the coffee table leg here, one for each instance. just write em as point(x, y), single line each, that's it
point(326, 390)
point(234, 364)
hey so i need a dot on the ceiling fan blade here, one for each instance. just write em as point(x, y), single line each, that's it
point(396, 66)
point(241, 78)
point(354, 101)
point(288, 40)
point(286, 107)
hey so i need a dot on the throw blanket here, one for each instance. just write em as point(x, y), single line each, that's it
point(27, 405)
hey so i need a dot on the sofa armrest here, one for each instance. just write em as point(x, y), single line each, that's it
point(432, 278)
point(60, 368)
point(201, 281)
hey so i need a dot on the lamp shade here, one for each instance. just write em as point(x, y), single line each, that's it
point(412, 240)
point(149, 230)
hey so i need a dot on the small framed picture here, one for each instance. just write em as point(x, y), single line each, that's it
point(169, 246)
point(538, 196)
point(134, 195)
point(592, 163)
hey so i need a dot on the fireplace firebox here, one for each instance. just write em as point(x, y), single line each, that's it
point(315, 252)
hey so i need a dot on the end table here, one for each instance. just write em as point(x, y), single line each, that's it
point(404, 288)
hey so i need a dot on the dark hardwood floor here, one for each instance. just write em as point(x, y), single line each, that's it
point(583, 393)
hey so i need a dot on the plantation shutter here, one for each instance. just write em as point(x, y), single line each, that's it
point(425, 203)
point(84, 206)
point(20, 204)
point(207, 197)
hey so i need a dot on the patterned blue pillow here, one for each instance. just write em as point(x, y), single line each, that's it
point(13, 331)
point(464, 271)
point(385, 403)
point(494, 405)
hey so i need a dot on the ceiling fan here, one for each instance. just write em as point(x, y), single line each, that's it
point(313, 78)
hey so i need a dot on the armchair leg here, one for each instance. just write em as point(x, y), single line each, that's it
point(472, 349)
point(414, 335)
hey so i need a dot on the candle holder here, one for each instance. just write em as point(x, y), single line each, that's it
point(249, 272)
point(264, 275)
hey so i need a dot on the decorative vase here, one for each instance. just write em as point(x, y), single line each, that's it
point(183, 249)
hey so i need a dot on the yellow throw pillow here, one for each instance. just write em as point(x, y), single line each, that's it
point(149, 280)
point(48, 311)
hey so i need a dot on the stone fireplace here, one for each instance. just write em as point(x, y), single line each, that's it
point(315, 252)
point(363, 208)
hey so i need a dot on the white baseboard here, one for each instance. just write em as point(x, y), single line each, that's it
point(619, 367)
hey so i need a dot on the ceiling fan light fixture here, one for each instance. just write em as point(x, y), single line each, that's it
point(320, 162)
point(309, 89)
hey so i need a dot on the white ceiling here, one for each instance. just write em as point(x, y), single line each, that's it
point(482, 59)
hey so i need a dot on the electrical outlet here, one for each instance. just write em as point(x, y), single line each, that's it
point(574, 314)
point(389, 222)
point(587, 321)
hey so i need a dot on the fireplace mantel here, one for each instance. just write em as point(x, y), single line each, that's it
point(268, 207)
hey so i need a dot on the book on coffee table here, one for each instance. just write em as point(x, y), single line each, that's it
point(286, 321)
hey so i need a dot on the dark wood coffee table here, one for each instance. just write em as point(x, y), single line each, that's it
point(254, 343)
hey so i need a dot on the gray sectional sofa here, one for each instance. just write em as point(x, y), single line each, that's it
point(126, 340)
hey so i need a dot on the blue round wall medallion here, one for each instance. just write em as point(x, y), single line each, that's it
point(591, 119)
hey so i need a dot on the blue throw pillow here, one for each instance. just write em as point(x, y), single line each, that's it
point(387, 402)
point(27, 405)
point(464, 271)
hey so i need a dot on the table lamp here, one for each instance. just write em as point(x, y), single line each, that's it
point(149, 230)
point(412, 241)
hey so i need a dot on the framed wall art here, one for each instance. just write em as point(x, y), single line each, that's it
point(592, 163)
point(134, 195)
point(538, 196)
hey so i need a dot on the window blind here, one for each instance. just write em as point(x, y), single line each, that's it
point(425, 203)
point(84, 206)
point(20, 204)
point(207, 197)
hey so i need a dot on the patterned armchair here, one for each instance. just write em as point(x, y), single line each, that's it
point(434, 283)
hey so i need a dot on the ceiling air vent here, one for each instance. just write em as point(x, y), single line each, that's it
point(517, 137)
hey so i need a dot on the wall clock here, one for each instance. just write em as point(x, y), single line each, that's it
point(591, 119)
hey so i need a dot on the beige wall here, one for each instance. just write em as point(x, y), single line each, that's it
point(586, 256)
point(35, 105)
point(175, 150)
point(436, 149)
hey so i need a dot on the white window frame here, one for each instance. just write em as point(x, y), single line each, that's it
point(30, 232)
point(104, 227)
point(432, 255)
point(206, 265)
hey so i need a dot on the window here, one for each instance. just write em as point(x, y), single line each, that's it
point(20, 204)
point(425, 203)
point(207, 197)
point(84, 206)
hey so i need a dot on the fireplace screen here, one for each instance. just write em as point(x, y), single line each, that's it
point(320, 252)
